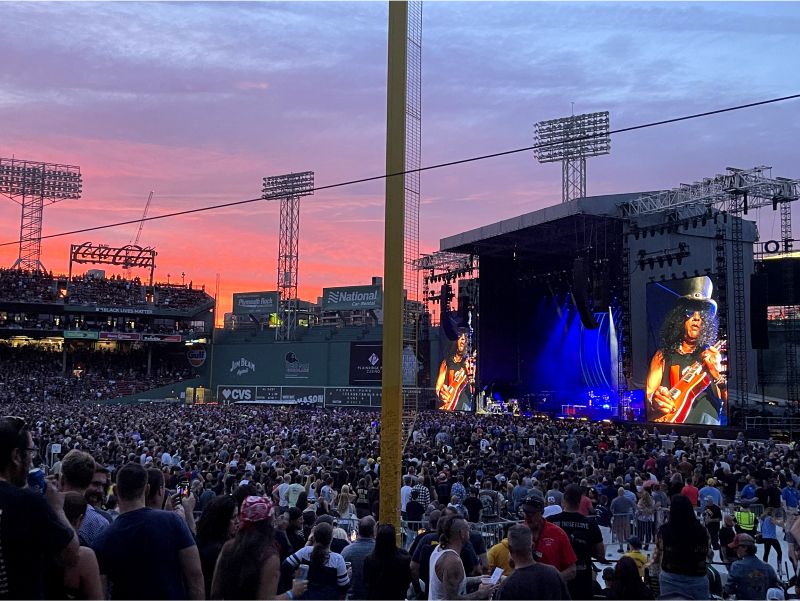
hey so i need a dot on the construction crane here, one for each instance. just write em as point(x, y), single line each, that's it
point(135, 242)
point(144, 216)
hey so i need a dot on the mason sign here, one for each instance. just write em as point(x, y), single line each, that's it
point(351, 298)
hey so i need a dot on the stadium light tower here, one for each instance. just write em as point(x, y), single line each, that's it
point(570, 140)
point(32, 185)
point(289, 188)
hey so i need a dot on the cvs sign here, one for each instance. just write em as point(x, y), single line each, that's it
point(236, 394)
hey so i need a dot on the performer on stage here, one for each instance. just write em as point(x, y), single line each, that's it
point(455, 385)
point(685, 383)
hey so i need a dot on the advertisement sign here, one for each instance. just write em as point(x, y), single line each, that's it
point(302, 395)
point(133, 336)
point(352, 297)
point(295, 367)
point(257, 303)
point(350, 396)
point(80, 335)
point(196, 356)
point(242, 366)
point(161, 338)
point(366, 364)
point(236, 394)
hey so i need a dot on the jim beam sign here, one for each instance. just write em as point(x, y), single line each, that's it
point(352, 298)
point(255, 303)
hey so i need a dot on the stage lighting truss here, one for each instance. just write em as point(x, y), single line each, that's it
point(288, 186)
point(667, 256)
point(50, 181)
point(736, 191)
point(585, 135)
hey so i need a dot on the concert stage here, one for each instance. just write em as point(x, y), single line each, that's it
point(572, 299)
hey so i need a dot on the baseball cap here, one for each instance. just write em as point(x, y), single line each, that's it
point(635, 542)
point(775, 593)
point(742, 539)
point(534, 500)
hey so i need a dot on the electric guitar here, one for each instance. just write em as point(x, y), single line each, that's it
point(694, 380)
point(449, 393)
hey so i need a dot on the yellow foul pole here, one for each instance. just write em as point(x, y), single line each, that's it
point(392, 393)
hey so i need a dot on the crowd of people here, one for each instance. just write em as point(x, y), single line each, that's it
point(21, 286)
point(270, 502)
point(42, 373)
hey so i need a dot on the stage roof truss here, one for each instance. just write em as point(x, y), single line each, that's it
point(444, 261)
point(736, 191)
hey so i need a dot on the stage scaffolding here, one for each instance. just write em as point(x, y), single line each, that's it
point(411, 186)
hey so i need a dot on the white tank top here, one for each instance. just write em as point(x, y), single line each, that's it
point(436, 588)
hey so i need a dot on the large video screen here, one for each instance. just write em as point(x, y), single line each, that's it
point(686, 379)
point(455, 382)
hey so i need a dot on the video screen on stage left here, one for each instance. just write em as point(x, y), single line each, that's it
point(455, 383)
point(687, 374)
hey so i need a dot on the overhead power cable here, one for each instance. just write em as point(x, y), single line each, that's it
point(363, 180)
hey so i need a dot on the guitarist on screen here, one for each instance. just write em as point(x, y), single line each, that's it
point(689, 344)
point(455, 385)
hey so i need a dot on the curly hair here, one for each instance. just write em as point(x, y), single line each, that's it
point(673, 328)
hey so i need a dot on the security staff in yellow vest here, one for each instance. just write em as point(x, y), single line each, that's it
point(746, 521)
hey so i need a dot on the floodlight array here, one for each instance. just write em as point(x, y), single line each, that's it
point(572, 137)
point(32, 178)
point(289, 185)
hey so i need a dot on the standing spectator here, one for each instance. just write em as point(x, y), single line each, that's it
point(622, 511)
point(645, 517)
point(356, 553)
point(712, 518)
point(585, 538)
point(85, 584)
point(790, 495)
point(157, 542)
point(294, 491)
point(327, 573)
point(448, 579)
point(249, 566)
point(635, 553)
point(530, 579)
point(458, 489)
point(386, 571)
point(627, 583)
point(769, 536)
point(77, 472)
point(749, 577)
point(405, 495)
point(711, 491)
point(35, 529)
point(683, 545)
point(473, 506)
point(550, 543)
point(362, 498)
point(727, 554)
point(691, 491)
point(414, 509)
point(217, 525)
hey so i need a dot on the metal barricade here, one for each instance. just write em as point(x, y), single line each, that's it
point(621, 524)
point(492, 532)
point(409, 531)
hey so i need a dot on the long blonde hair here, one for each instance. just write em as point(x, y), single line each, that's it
point(343, 502)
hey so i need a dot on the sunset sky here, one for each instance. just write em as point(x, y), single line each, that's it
point(199, 101)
